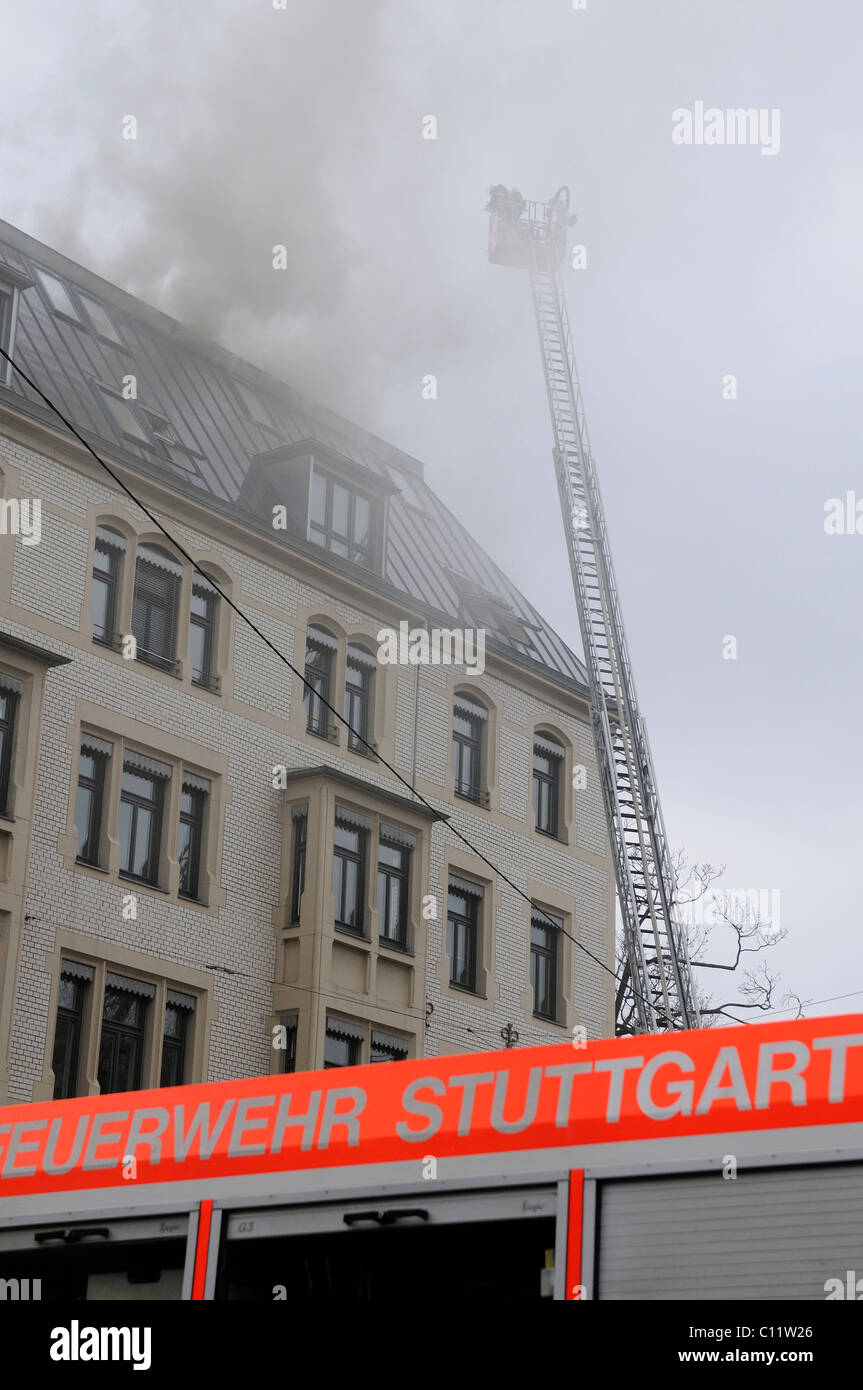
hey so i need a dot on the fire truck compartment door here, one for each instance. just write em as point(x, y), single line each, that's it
point(769, 1233)
point(104, 1257)
point(96, 1230)
point(420, 1209)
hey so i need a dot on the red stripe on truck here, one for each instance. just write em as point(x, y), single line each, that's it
point(760, 1077)
point(202, 1249)
point(574, 1229)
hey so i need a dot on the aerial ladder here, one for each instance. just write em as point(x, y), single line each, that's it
point(655, 991)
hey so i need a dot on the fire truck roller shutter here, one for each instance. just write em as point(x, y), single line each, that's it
point(768, 1234)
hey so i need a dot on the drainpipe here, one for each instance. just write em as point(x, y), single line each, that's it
point(416, 718)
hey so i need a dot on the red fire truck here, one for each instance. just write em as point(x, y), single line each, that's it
point(722, 1164)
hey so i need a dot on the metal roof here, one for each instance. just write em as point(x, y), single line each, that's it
point(193, 385)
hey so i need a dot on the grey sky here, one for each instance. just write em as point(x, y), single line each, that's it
point(259, 126)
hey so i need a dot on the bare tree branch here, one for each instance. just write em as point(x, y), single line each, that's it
point(722, 924)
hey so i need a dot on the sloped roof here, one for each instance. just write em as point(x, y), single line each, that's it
point(193, 384)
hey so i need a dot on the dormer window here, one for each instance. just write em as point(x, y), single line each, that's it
point(334, 502)
point(341, 519)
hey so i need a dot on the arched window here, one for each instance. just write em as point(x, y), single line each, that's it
point(321, 648)
point(154, 607)
point(359, 692)
point(469, 722)
point(107, 564)
point(548, 763)
point(204, 632)
point(546, 931)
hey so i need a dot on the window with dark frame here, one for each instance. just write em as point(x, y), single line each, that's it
point(300, 820)
point(142, 796)
point(89, 804)
point(548, 762)
point(388, 1047)
point(107, 560)
point(121, 1042)
point(468, 729)
point(320, 652)
point(393, 886)
point(463, 904)
point(342, 520)
point(154, 607)
point(74, 984)
point(190, 842)
point(343, 1043)
point(122, 1031)
point(545, 932)
point(359, 675)
point(349, 872)
point(10, 696)
point(203, 617)
point(7, 310)
point(179, 1011)
point(289, 1059)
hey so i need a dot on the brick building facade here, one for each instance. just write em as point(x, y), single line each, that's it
point(202, 874)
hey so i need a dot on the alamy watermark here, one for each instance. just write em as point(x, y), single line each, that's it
point(434, 646)
point(849, 1288)
point(843, 516)
point(737, 125)
point(21, 516)
point(741, 905)
point(24, 1290)
point(77, 1343)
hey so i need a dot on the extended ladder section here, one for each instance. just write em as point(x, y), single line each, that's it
point(655, 989)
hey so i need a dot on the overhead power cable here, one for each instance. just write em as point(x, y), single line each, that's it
point(226, 598)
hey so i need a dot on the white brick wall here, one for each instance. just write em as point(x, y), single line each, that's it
point(516, 764)
point(40, 576)
point(404, 724)
point(260, 678)
point(50, 581)
point(433, 734)
point(57, 487)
